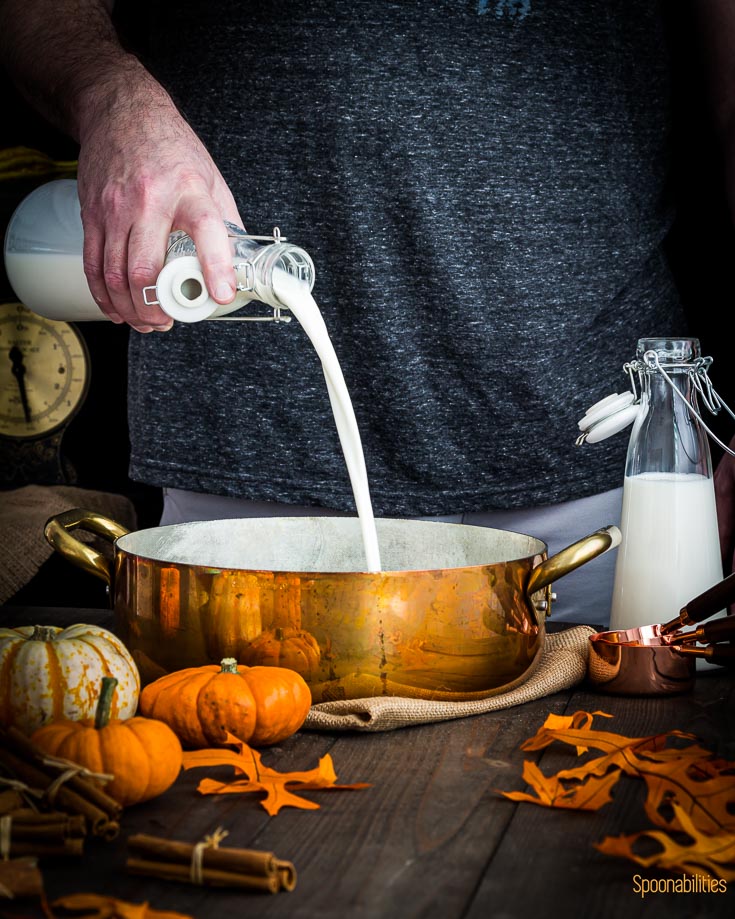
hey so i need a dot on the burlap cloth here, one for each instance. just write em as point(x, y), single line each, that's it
point(23, 515)
point(563, 664)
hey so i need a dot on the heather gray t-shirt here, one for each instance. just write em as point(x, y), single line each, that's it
point(482, 188)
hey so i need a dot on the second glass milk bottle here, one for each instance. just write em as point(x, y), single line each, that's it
point(670, 551)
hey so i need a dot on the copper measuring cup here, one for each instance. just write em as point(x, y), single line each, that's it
point(661, 659)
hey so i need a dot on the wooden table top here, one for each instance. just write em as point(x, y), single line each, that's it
point(432, 837)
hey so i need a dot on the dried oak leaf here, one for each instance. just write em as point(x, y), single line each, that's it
point(688, 790)
point(702, 785)
point(586, 787)
point(711, 856)
point(579, 721)
point(95, 906)
point(551, 792)
point(248, 762)
point(693, 783)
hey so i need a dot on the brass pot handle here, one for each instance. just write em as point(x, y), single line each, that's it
point(580, 552)
point(58, 534)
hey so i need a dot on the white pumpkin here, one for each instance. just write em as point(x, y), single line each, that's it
point(49, 673)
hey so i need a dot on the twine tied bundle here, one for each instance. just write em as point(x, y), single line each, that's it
point(211, 841)
point(206, 864)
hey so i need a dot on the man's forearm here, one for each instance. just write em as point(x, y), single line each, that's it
point(67, 61)
point(66, 58)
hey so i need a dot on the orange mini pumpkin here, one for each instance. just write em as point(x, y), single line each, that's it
point(258, 705)
point(143, 755)
point(293, 648)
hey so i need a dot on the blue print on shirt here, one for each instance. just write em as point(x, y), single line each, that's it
point(513, 9)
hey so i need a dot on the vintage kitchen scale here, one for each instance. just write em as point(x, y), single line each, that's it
point(44, 378)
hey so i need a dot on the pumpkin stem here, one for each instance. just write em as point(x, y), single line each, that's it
point(104, 703)
point(280, 635)
point(228, 665)
point(43, 633)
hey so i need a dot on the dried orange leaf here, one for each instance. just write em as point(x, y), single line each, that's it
point(550, 792)
point(277, 795)
point(631, 755)
point(598, 740)
point(711, 856)
point(95, 906)
point(215, 756)
point(707, 798)
point(580, 721)
point(248, 762)
point(689, 790)
point(701, 784)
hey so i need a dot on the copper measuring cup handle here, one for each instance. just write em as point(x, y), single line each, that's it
point(706, 604)
point(724, 655)
point(718, 630)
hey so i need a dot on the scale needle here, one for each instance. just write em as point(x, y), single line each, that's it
point(19, 372)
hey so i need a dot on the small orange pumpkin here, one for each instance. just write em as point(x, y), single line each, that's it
point(258, 705)
point(144, 755)
point(293, 648)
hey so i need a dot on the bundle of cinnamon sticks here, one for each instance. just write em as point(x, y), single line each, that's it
point(77, 794)
point(25, 831)
point(219, 867)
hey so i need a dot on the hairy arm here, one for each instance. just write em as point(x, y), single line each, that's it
point(66, 59)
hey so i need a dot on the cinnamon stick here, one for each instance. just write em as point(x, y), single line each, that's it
point(62, 837)
point(40, 849)
point(246, 861)
point(82, 785)
point(75, 823)
point(61, 829)
point(211, 877)
point(286, 875)
point(220, 867)
point(99, 821)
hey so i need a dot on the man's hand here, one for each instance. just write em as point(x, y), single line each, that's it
point(143, 173)
point(142, 170)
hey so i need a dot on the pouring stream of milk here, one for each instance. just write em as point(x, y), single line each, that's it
point(296, 296)
point(292, 292)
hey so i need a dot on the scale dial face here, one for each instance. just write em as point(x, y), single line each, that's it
point(44, 373)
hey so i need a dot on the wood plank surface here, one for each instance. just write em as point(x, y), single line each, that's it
point(432, 836)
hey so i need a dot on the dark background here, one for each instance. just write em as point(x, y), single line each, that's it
point(701, 248)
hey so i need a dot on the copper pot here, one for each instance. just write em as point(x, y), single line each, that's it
point(457, 613)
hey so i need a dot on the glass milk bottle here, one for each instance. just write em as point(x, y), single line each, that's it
point(43, 260)
point(670, 550)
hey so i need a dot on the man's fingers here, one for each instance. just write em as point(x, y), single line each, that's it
point(94, 261)
point(206, 227)
point(146, 255)
point(125, 245)
point(116, 280)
